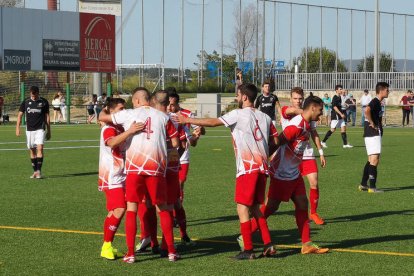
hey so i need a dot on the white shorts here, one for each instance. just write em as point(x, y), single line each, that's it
point(34, 138)
point(338, 123)
point(373, 145)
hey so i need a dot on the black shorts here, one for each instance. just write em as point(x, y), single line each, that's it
point(91, 112)
point(56, 108)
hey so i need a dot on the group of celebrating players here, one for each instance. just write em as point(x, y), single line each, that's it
point(144, 160)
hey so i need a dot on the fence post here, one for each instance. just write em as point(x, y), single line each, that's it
point(68, 100)
point(109, 84)
point(22, 96)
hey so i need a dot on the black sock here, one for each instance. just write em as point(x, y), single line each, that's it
point(343, 134)
point(372, 172)
point(34, 163)
point(328, 134)
point(39, 163)
point(365, 175)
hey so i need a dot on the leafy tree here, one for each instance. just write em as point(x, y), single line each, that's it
point(385, 62)
point(328, 61)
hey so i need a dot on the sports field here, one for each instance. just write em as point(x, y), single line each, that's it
point(54, 225)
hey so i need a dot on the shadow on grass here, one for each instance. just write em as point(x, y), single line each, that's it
point(71, 175)
point(358, 242)
point(397, 188)
point(228, 244)
point(226, 219)
point(369, 216)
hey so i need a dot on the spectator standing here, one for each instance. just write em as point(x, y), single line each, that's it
point(57, 113)
point(239, 79)
point(405, 107)
point(62, 105)
point(365, 100)
point(411, 103)
point(351, 103)
point(326, 108)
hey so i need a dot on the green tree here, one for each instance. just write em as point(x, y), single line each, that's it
point(385, 63)
point(313, 58)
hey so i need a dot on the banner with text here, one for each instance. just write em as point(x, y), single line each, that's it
point(17, 60)
point(60, 55)
point(97, 42)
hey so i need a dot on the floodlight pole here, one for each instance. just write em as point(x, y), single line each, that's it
point(263, 40)
point(202, 46)
point(376, 32)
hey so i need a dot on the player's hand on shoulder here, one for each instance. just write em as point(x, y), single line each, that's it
point(136, 127)
point(179, 118)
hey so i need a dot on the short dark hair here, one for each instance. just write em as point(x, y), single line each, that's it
point(172, 93)
point(366, 91)
point(141, 88)
point(34, 89)
point(113, 102)
point(160, 97)
point(297, 90)
point(338, 86)
point(248, 89)
point(380, 86)
point(312, 100)
point(265, 82)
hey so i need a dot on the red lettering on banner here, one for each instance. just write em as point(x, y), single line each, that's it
point(97, 42)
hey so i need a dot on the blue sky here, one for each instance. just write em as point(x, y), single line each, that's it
point(192, 35)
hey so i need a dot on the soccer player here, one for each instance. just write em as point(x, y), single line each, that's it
point(174, 108)
point(145, 166)
point(286, 182)
point(308, 166)
point(337, 118)
point(36, 110)
point(268, 102)
point(111, 174)
point(252, 132)
point(373, 132)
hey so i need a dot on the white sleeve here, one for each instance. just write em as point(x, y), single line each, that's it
point(121, 117)
point(230, 119)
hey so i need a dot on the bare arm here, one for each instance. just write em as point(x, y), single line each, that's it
point(49, 133)
point(369, 118)
point(317, 141)
point(105, 116)
point(339, 112)
point(18, 123)
point(293, 111)
point(175, 142)
point(117, 140)
point(208, 122)
point(278, 108)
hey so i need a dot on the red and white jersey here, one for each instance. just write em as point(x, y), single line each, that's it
point(251, 130)
point(285, 119)
point(185, 157)
point(173, 162)
point(284, 164)
point(111, 161)
point(146, 152)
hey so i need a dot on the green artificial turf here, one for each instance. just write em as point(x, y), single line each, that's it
point(68, 199)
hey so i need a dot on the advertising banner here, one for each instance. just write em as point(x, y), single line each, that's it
point(97, 42)
point(17, 60)
point(60, 55)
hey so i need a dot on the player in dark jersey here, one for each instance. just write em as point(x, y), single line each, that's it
point(268, 102)
point(36, 110)
point(372, 136)
point(337, 118)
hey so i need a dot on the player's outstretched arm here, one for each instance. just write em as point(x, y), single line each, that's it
point(18, 123)
point(207, 122)
point(117, 140)
point(293, 111)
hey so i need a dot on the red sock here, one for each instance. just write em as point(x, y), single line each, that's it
point(110, 226)
point(264, 230)
point(313, 198)
point(302, 221)
point(152, 226)
point(245, 229)
point(131, 230)
point(142, 209)
point(266, 213)
point(166, 222)
point(182, 222)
